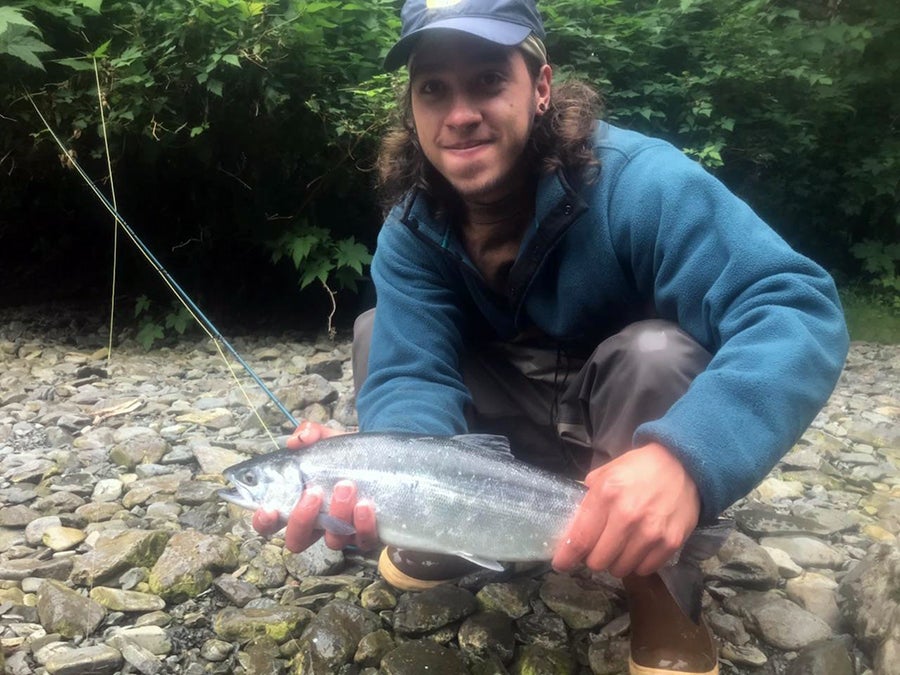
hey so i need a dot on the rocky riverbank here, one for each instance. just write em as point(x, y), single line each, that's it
point(116, 555)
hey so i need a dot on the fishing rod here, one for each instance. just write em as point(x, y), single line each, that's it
point(192, 307)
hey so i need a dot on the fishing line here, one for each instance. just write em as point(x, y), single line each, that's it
point(112, 191)
point(207, 325)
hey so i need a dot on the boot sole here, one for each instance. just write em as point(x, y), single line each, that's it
point(402, 581)
point(637, 669)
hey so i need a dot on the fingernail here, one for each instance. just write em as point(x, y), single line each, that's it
point(314, 492)
point(341, 492)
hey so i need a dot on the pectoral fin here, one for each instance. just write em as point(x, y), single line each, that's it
point(334, 525)
point(482, 562)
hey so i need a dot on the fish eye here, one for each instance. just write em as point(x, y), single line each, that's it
point(249, 478)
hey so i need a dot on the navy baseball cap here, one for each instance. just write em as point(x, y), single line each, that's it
point(506, 22)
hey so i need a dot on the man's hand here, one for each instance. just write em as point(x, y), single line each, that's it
point(640, 508)
point(302, 530)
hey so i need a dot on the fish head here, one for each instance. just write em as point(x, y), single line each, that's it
point(272, 483)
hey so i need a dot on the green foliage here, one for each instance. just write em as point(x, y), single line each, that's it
point(868, 319)
point(881, 263)
point(319, 257)
point(788, 104)
point(20, 38)
point(251, 126)
point(155, 326)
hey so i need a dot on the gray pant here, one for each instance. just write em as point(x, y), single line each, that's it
point(564, 413)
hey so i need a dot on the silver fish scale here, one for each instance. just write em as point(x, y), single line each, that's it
point(447, 494)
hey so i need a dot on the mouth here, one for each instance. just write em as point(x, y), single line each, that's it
point(466, 146)
point(239, 497)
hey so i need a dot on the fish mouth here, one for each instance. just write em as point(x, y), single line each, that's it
point(238, 496)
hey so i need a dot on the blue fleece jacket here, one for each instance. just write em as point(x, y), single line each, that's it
point(653, 231)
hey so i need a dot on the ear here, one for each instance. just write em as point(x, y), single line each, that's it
point(542, 86)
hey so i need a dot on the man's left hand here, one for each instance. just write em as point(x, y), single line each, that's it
point(640, 508)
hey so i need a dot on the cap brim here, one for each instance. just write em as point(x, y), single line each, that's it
point(499, 32)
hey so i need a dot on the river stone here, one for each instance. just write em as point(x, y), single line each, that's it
point(196, 492)
point(189, 563)
point(334, 634)
point(142, 660)
point(17, 516)
point(829, 657)
point(537, 660)
point(236, 591)
point(62, 610)
point(869, 600)
point(816, 593)
point(215, 650)
point(145, 448)
point(546, 630)
point(580, 603)
point(93, 660)
point(743, 655)
point(116, 553)
point(609, 656)
point(787, 568)
point(488, 632)
point(126, 601)
point(373, 647)
point(242, 625)
point(17, 570)
point(98, 512)
point(152, 638)
point(512, 598)
point(778, 621)
point(316, 561)
point(260, 657)
point(806, 551)
point(419, 613)
point(742, 562)
point(763, 522)
point(61, 538)
point(34, 531)
point(422, 656)
point(214, 460)
point(214, 418)
point(266, 570)
point(378, 596)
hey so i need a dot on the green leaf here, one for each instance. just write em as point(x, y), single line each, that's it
point(91, 4)
point(149, 333)
point(100, 52)
point(13, 17)
point(25, 54)
point(75, 64)
point(141, 305)
point(214, 86)
point(232, 59)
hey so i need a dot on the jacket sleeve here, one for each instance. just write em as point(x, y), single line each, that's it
point(414, 382)
point(770, 316)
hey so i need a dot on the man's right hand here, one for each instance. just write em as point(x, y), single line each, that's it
point(302, 531)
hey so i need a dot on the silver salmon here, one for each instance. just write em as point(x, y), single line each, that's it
point(461, 495)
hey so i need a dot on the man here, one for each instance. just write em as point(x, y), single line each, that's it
point(590, 293)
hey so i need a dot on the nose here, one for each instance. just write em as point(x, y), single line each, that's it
point(463, 112)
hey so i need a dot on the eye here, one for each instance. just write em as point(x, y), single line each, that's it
point(430, 87)
point(249, 478)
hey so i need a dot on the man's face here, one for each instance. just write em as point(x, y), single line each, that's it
point(474, 105)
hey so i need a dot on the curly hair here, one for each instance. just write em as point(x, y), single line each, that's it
point(560, 139)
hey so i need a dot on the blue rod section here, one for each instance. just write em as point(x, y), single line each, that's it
point(168, 277)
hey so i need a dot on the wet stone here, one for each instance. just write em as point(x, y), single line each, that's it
point(373, 647)
point(278, 623)
point(511, 598)
point(578, 602)
point(422, 656)
point(432, 609)
point(126, 601)
point(806, 551)
point(333, 636)
point(778, 621)
point(488, 632)
point(18, 516)
point(64, 611)
point(237, 591)
point(95, 659)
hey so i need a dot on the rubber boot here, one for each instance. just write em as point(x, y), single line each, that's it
point(664, 641)
point(408, 570)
